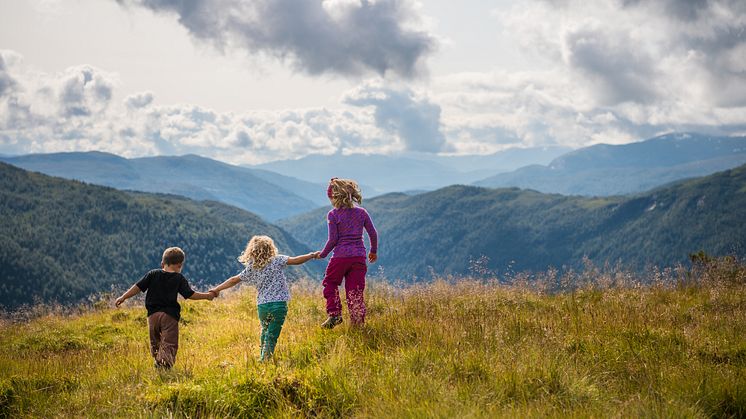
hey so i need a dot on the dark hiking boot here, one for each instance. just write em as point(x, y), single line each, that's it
point(331, 322)
point(162, 367)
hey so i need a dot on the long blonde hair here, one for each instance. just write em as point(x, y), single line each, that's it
point(259, 251)
point(344, 193)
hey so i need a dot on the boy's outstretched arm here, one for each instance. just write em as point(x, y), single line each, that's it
point(298, 260)
point(134, 290)
point(202, 296)
point(232, 281)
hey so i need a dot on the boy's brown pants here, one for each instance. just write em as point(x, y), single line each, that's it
point(164, 338)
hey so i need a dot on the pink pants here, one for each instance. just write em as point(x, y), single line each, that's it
point(352, 270)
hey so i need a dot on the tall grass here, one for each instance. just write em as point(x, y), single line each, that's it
point(596, 343)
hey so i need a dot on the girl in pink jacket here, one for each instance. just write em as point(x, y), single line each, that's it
point(346, 223)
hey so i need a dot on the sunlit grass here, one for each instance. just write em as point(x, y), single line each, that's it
point(451, 348)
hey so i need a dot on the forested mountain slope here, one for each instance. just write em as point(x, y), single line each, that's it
point(528, 230)
point(63, 240)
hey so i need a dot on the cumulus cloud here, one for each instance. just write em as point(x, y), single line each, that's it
point(139, 100)
point(687, 10)
point(606, 71)
point(73, 111)
point(84, 90)
point(706, 39)
point(6, 82)
point(347, 37)
point(620, 70)
point(415, 120)
point(645, 50)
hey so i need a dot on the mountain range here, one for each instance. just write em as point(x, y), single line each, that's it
point(605, 170)
point(379, 173)
point(55, 231)
point(445, 230)
point(64, 240)
point(267, 194)
point(599, 170)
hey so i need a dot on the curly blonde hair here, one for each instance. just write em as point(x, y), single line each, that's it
point(345, 193)
point(259, 251)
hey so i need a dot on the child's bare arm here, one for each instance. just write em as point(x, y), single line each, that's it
point(298, 260)
point(230, 282)
point(134, 290)
point(202, 296)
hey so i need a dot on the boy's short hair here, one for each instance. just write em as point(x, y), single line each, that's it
point(173, 256)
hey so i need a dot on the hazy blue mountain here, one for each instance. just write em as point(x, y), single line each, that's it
point(377, 173)
point(313, 192)
point(603, 169)
point(270, 195)
point(63, 240)
point(381, 173)
point(502, 161)
point(444, 229)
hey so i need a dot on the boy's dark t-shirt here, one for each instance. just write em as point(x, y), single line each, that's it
point(161, 287)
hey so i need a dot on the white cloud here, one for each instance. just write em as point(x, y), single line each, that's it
point(413, 118)
point(83, 91)
point(72, 111)
point(606, 71)
point(139, 100)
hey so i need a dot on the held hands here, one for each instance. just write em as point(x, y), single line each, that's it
point(372, 257)
point(316, 255)
point(214, 293)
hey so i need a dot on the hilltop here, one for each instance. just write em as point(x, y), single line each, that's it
point(608, 347)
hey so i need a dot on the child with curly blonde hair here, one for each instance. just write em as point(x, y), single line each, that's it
point(264, 269)
point(346, 222)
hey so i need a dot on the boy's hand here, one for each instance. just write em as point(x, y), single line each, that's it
point(119, 301)
point(316, 255)
point(372, 257)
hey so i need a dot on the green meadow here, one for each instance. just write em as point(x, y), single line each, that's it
point(669, 344)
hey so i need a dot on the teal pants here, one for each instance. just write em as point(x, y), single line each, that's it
point(271, 316)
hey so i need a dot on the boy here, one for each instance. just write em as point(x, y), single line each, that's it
point(161, 286)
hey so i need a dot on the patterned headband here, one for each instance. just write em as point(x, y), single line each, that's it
point(329, 188)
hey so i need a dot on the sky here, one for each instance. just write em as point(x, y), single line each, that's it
point(251, 81)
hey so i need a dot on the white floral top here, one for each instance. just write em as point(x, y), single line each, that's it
point(270, 281)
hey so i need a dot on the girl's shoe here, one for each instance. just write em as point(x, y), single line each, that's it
point(331, 322)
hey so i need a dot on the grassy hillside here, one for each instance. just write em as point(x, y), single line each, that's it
point(605, 170)
point(449, 349)
point(269, 195)
point(64, 240)
point(517, 229)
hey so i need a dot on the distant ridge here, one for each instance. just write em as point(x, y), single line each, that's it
point(269, 195)
point(382, 173)
point(526, 230)
point(605, 170)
